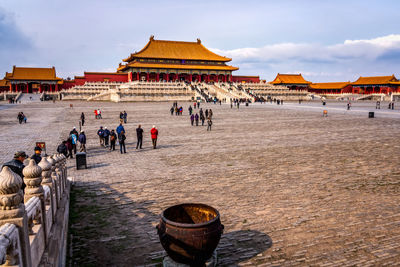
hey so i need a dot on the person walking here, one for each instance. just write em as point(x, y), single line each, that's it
point(190, 110)
point(125, 115)
point(20, 117)
point(82, 119)
point(206, 112)
point(348, 106)
point(139, 134)
point(209, 124)
point(121, 140)
point(100, 133)
point(37, 157)
point(192, 119)
point(113, 138)
point(378, 105)
point(74, 138)
point(194, 105)
point(172, 111)
point(106, 136)
point(82, 141)
point(17, 165)
point(198, 104)
point(154, 136)
point(210, 114)
point(121, 117)
point(196, 118)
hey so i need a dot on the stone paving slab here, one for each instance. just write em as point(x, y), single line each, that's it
point(292, 188)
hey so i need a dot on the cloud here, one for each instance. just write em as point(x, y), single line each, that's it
point(347, 60)
point(14, 45)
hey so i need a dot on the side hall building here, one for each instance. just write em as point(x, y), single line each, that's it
point(33, 80)
point(162, 60)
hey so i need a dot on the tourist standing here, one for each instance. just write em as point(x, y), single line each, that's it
point(125, 116)
point(82, 119)
point(190, 110)
point(99, 114)
point(100, 133)
point(378, 105)
point(202, 118)
point(154, 136)
point(20, 117)
point(206, 112)
point(68, 144)
point(121, 140)
point(106, 136)
point(17, 165)
point(139, 134)
point(198, 104)
point(210, 114)
point(348, 106)
point(95, 114)
point(82, 141)
point(172, 111)
point(120, 128)
point(37, 157)
point(113, 138)
point(196, 118)
point(74, 137)
point(121, 117)
point(194, 105)
point(209, 124)
point(192, 119)
point(62, 148)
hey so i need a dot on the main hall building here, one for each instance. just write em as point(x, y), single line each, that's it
point(163, 60)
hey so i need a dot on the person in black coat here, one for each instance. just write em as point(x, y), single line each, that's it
point(139, 133)
point(83, 118)
point(17, 165)
point(62, 148)
point(113, 138)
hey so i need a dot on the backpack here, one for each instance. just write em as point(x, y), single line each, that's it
point(112, 138)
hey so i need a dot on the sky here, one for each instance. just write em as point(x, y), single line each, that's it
point(325, 40)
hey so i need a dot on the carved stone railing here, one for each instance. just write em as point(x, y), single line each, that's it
point(27, 229)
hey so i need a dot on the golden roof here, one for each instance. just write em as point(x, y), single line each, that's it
point(289, 79)
point(338, 85)
point(3, 82)
point(176, 66)
point(375, 80)
point(44, 74)
point(176, 50)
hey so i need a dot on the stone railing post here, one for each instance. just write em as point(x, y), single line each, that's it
point(33, 179)
point(56, 176)
point(53, 179)
point(60, 173)
point(12, 210)
point(46, 180)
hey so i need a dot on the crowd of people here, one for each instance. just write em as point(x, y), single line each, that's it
point(194, 117)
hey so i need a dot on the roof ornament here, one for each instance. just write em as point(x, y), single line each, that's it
point(198, 41)
point(152, 38)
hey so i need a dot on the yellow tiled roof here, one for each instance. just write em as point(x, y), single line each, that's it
point(289, 79)
point(44, 74)
point(3, 82)
point(376, 80)
point(176, 66)
point(176, 50)
point(339, 85)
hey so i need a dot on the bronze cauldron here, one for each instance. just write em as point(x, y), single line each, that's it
point(190, 232)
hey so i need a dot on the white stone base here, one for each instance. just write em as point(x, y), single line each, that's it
point(211, 262)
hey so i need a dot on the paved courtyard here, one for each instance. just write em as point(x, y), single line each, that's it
point(292, 187)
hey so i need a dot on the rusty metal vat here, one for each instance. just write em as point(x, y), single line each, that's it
point(190, 232)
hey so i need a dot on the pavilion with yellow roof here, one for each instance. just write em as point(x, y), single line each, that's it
point(176, 60)
point(292, 81)
point(376, 84)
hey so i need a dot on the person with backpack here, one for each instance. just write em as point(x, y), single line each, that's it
point(100, 133)
point(113, 138)
point(82, 140)
point(62, 148)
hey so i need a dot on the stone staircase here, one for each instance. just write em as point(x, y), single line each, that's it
point(29, 98)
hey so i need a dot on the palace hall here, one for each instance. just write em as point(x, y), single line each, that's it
point(163, 60)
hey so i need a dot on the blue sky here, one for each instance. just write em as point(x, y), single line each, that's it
point(324, 40)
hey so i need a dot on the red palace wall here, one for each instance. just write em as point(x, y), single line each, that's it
point(247, 79)
point(95, 77)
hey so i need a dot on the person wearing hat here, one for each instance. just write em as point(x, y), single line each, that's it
point(100, 133)
point(17, 165)
point(154, 135)
point(37, 157)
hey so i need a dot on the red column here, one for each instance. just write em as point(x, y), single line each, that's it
point(137, 76)
point(27, 87)
point(56, 89)
point(40, 87)
point(190, 77)
point(167, 77)
point(158, 77)
point(148, 76)
point(10, 87)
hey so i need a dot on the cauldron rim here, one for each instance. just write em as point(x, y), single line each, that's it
point(190, 225)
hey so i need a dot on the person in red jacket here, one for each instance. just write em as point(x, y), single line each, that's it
point(154, 134)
